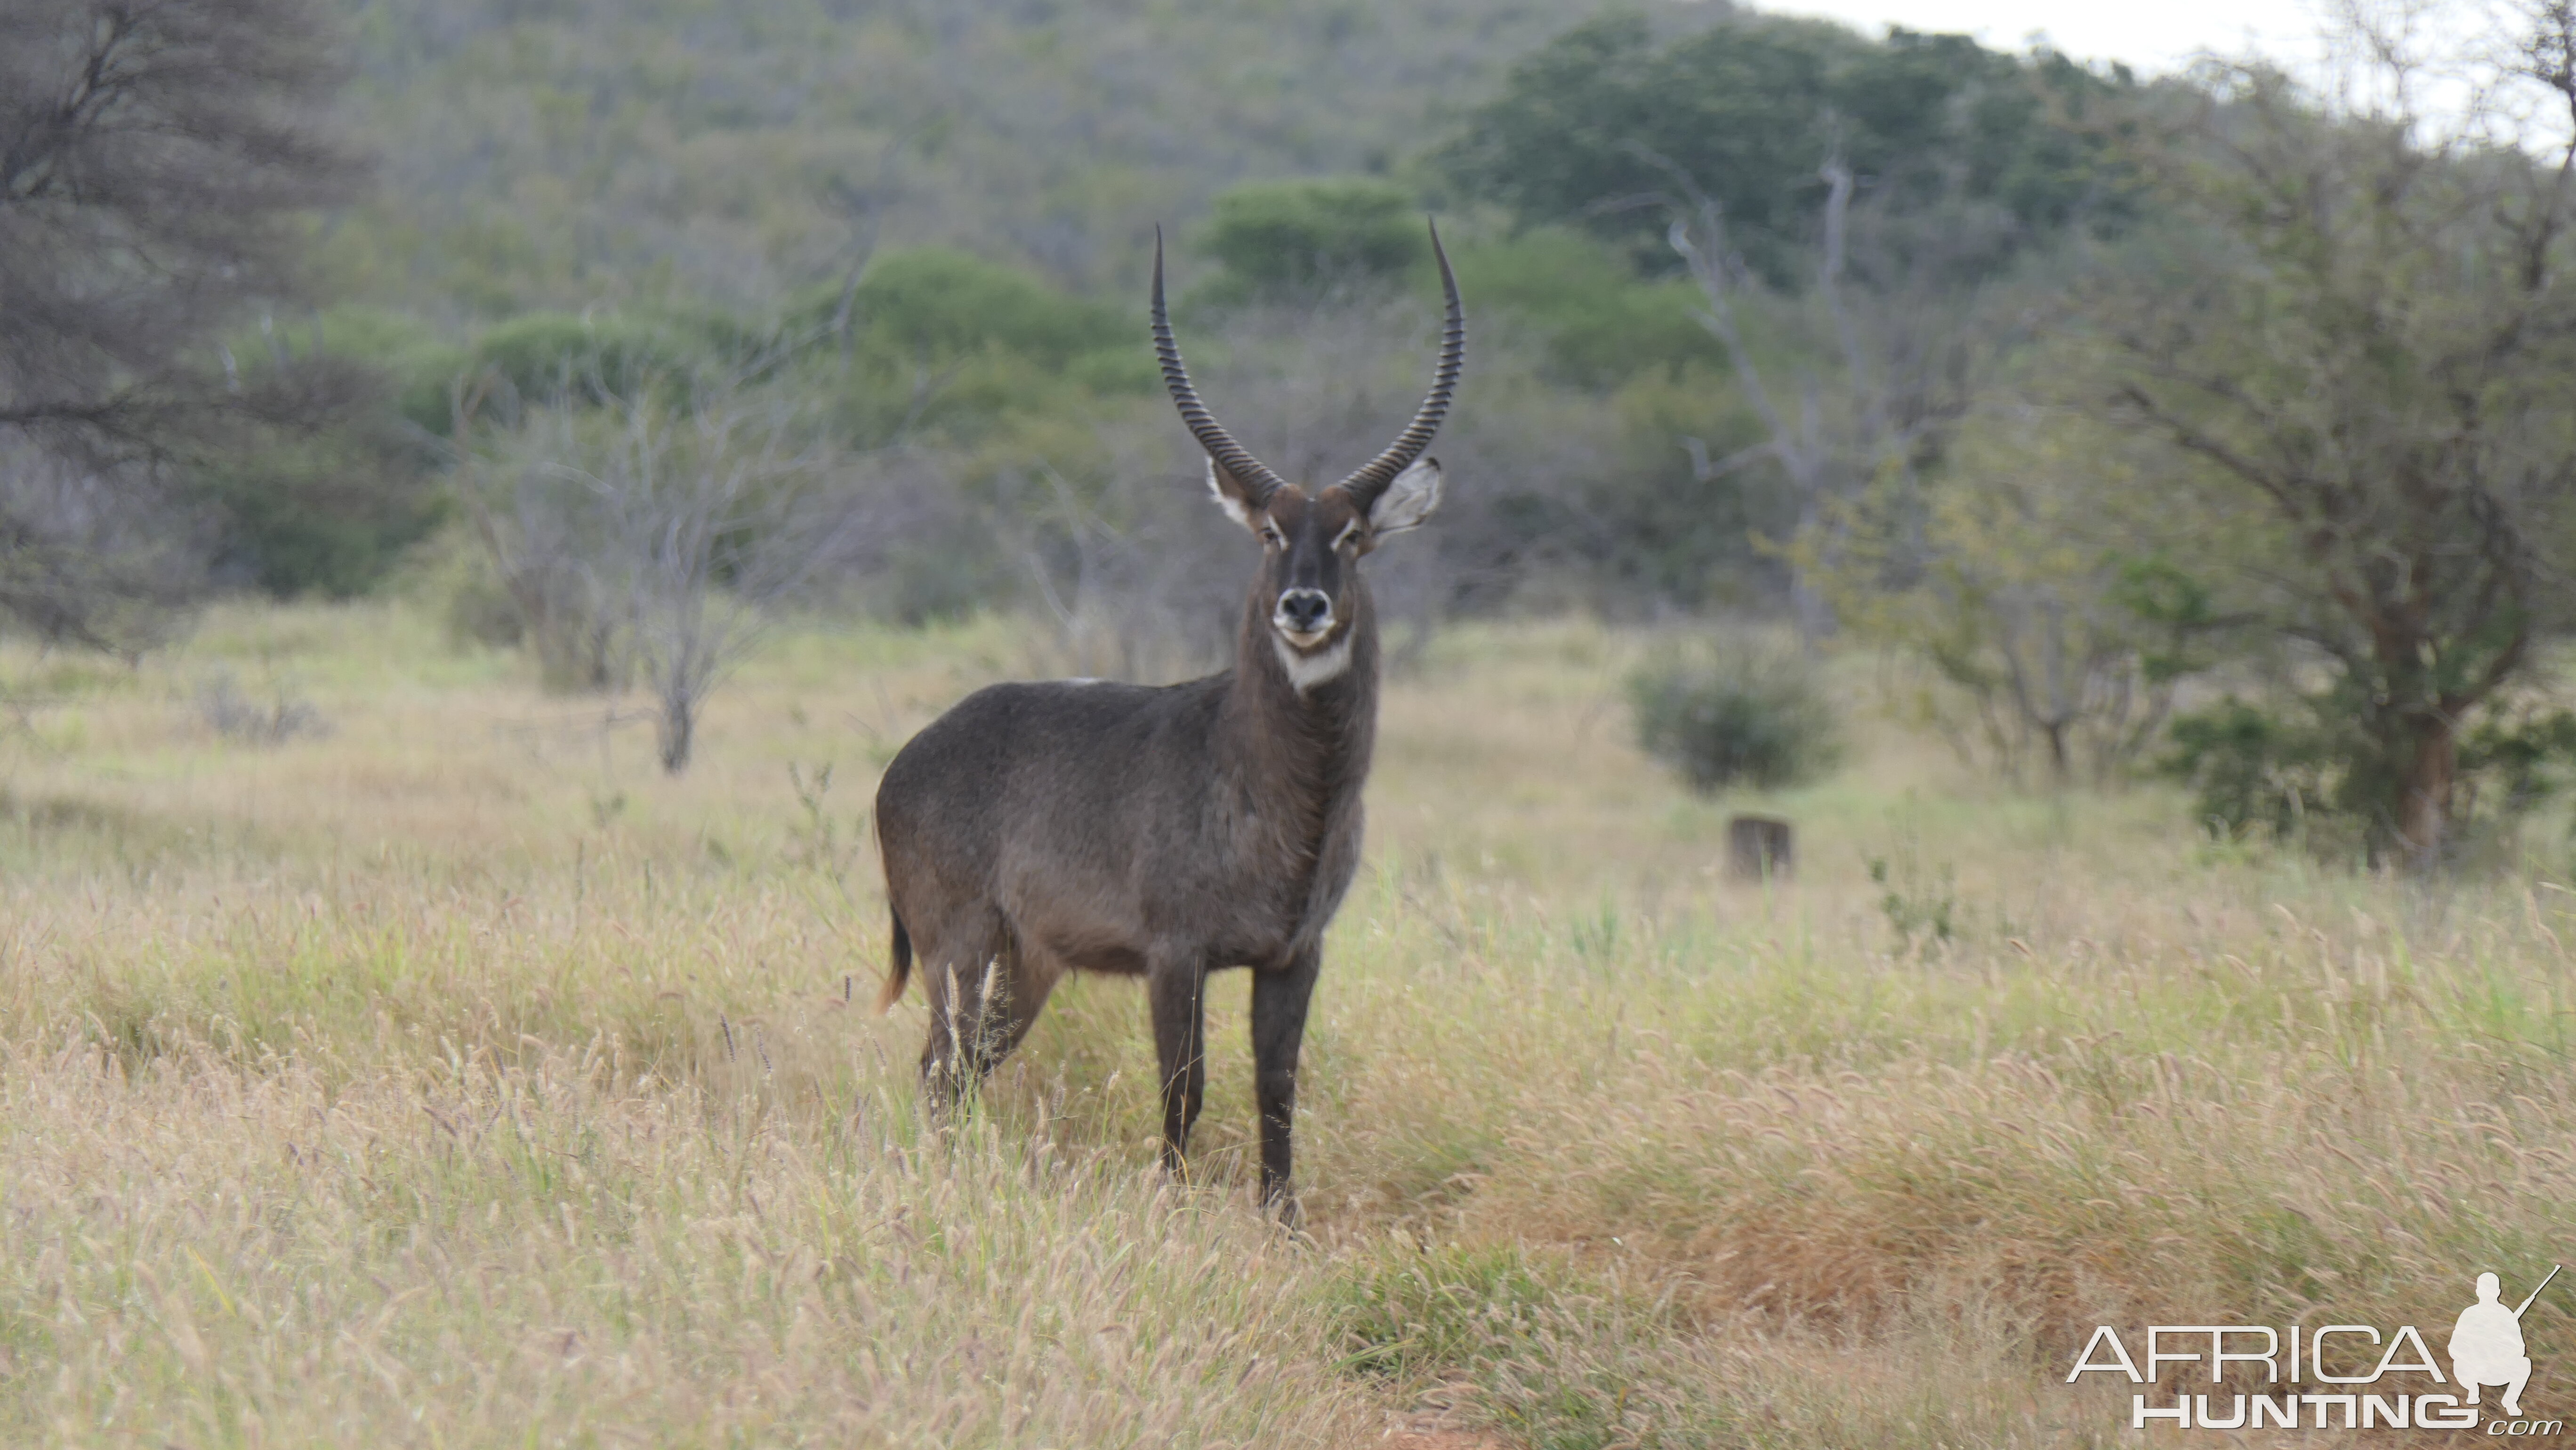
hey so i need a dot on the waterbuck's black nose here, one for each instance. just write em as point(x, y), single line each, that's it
point(1305, 610)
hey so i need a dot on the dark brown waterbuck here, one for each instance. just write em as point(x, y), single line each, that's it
point(1040, 829)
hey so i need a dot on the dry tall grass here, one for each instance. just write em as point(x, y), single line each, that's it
point(452, 1078)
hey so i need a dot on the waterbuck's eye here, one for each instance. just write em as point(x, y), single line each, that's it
point(1273, 537)
point(1350, 533)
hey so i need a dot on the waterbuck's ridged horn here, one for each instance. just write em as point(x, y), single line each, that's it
point(1248, 471)
point(1371, 480)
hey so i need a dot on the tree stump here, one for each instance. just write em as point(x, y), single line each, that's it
point(1760, 848)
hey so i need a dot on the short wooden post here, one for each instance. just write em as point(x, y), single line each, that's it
point(1760, 848)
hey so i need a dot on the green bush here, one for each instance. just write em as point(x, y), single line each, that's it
point(1601, 323)
point(1285, 234)
point(2305, 770)
point(325, 516)
point(414, 363)
point(941, 303)
point(2250, 769)
point(1740, 715)
point(324, 506)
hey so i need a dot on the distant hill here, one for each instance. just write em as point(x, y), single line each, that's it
point(570, 152)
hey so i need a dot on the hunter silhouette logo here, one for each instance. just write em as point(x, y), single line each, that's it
point(2324, 1377)
point(2486, 1345)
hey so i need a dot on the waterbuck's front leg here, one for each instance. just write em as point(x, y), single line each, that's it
point(1278, 1028)
point(1175, 989)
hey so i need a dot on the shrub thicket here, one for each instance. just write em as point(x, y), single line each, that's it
point(2307, 771)
point(1741, 715)
point(1315, 232)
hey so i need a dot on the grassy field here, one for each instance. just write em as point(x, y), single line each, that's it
point(442, 1075)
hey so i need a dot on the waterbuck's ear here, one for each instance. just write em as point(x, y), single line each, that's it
point(1231, 495)
point(1412, 498)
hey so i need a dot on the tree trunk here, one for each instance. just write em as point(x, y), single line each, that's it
point(679, 727)
point(2424, 791)
point(1808, 607)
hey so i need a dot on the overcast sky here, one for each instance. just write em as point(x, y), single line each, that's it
point(2156, 36)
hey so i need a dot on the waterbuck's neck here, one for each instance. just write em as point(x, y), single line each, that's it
point(1300, 726)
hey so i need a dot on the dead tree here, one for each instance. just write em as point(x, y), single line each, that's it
point(660, 535)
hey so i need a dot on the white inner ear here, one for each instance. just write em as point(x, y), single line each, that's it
point(1413, 497)
point(1233, 506)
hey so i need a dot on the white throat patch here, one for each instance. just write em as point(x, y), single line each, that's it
point(1307, 671)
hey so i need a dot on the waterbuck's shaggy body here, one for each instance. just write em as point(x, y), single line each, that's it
point(1041, 829)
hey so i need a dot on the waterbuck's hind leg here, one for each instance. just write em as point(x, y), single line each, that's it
point(1279, 1001)
point(1012, 1001)
point(982, 1000)
point(1175, 990)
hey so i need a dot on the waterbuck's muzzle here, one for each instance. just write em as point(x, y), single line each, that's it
point(1304, 615)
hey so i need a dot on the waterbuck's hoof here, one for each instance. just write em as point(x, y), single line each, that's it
point(1282, 1209)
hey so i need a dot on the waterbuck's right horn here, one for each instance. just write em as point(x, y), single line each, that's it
point(1250, 472)
point(1372, 478)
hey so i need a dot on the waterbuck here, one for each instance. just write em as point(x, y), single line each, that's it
point(1040, 829)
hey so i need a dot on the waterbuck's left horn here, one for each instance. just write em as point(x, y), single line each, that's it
point(1254, 475)
point(1371, 480)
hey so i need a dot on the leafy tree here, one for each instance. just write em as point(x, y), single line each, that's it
point(1842, 208)
point(2362, 342)
point(81, 560)
point(1886, 351)
point(1753, 108)
point(154, 161)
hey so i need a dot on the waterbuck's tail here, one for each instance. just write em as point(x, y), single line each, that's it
point(901, 972)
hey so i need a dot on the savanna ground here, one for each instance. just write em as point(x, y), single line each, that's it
point(451, 1078)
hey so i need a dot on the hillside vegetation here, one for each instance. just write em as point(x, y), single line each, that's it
point(568, 153)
